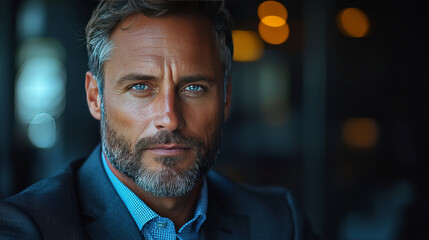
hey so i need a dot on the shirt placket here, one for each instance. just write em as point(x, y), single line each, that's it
point(163, 228)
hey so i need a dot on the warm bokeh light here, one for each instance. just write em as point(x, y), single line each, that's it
point(274, 10)
point(353, 22)
point(247, 46)
point(360, 132)
point(273, 21)
point(274, 35)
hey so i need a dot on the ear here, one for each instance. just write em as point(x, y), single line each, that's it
point(228, 100)
point(92, 96)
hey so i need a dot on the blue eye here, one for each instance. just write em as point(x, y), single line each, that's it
point(193, 88)
point(139, 87)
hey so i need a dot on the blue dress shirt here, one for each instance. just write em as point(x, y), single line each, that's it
point(153, 226)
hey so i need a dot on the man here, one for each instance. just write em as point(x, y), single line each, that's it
point(159, 82)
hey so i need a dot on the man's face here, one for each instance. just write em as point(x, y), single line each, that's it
point(163, 102)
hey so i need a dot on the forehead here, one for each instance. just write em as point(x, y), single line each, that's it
point(169, 39)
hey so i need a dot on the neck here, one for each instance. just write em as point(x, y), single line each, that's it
point(178, 209)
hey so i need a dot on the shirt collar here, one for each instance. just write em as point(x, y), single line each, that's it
point(142, 214)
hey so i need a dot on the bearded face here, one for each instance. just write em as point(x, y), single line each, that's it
point(167, 181)
point(162, 102)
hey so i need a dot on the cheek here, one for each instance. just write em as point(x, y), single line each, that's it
point(129, 118)
point(203, 122)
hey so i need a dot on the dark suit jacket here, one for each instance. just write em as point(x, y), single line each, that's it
point(81, 203)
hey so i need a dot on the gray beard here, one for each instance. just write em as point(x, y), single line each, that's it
point(167, 181)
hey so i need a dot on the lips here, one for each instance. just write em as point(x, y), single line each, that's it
point(168, 149)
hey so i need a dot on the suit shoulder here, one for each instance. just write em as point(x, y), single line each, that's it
point(16, 223)
point(47, 191)
point(268, 209)
point(49, 202)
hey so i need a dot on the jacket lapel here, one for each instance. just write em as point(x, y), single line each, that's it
point(225, 226)
point(105, 216)
point(222, 221)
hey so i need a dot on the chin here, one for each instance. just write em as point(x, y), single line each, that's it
point(168, 181)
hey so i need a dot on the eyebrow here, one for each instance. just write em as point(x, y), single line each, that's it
point(134, 77)
point(138, 76)
point(197, 78)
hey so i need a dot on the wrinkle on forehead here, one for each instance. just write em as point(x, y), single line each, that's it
point(149, 37)
point(140, 25)
point(167, 39)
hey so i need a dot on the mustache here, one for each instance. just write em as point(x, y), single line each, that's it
point(167, 137)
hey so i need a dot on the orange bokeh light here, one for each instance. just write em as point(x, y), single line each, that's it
point(353, 22)
point(273, 21)
point(248, 46)
point(360, 132)
point(272, 12)
point(274, 35)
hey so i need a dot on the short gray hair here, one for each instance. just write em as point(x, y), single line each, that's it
point(110, 12)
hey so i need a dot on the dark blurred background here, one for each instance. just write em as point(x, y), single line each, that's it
point(338, 118)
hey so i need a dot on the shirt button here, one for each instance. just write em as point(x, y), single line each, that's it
point(161, 224)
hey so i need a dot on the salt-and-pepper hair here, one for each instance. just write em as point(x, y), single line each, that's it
point(110, 12)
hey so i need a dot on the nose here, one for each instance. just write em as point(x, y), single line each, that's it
point(168, 113)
